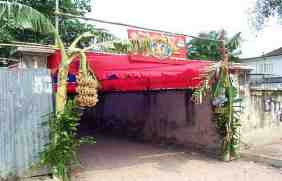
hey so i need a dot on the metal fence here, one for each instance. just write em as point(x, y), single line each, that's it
point(265, 82)
point(25, 96)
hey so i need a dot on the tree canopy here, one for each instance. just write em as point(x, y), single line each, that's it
point(15, 17)
point(263, 10)
point(69, 28)
point(210, 50)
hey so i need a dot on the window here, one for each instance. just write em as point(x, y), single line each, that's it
point(265, 68)
point(260, 68)
point(271, 68)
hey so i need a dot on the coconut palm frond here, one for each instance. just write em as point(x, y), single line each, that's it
point(25, 17)
point(234, 42)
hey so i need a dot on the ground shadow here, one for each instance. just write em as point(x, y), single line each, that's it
point(111, 152)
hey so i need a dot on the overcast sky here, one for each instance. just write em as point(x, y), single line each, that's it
point(191, 17)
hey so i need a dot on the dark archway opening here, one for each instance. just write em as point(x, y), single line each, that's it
point(139, 116)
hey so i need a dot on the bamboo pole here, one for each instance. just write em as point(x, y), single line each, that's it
point(56, 19)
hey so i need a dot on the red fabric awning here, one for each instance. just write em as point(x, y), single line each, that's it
point(120, 73)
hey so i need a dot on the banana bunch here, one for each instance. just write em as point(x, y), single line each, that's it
point(87, 91)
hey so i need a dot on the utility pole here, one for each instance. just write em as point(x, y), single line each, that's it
point(57, 18)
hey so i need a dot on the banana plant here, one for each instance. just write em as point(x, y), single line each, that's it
point(67, 57)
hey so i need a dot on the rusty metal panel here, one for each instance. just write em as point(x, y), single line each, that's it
point(25, 96)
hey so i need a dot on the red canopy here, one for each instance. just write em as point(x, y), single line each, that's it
point(121, 73)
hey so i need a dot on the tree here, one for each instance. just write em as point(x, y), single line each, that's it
point(47, 8)
point(206, 49)
point(11, 31)
point(69, 28)
point(265, 9)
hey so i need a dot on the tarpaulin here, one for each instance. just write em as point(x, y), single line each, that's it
point(119, 73)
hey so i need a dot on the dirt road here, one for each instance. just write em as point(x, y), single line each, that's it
point(122, 160)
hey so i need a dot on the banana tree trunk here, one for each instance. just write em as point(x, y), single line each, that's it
point(61, 95)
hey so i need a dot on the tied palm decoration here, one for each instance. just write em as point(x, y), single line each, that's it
point(226, 115)
point(225, 101)
point(63, 123)
point(226, 107)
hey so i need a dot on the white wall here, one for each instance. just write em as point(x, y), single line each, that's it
point(267, 65)
point(33, 61)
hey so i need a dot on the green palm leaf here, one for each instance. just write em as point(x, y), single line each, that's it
point(234, 42)
point(25, 17)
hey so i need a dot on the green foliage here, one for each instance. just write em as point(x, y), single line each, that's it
point(60, 154)
point(47, 8)
point(69, 28)
point(210, 50)
point(15, 17)
point(263, 10)
point(226, 109)
point(120, 47)
point(226, 114)
point(116, 46)
point(24, 17)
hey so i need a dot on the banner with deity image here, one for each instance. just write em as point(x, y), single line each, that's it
point(152, 46)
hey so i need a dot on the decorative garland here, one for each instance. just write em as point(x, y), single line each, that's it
point(226, 111)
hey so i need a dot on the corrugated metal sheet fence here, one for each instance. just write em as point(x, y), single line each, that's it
point(25, 96)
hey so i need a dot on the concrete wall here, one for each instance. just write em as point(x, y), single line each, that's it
point(262, 117)
point(167, 116)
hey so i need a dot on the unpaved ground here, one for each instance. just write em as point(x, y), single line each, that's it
point(268, 154)
point(121, 160)
point(273, 150)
